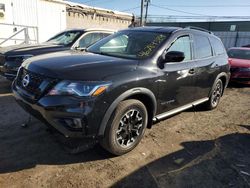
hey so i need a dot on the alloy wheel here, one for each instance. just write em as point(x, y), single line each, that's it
point(130, 128)
point(217, 92)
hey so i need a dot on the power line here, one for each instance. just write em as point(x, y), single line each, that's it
point(204, 6)
point(89, 1)
point(178, 10)
point(96, 2)
point(131, 8)
point(199, 17)
point(103, 2)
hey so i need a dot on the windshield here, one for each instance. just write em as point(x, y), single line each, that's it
point(130, 44)
point(239, 54)
point(65, 38)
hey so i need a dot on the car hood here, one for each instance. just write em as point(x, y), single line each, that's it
point(34, 49)
point(239, 62)
point(73, 65)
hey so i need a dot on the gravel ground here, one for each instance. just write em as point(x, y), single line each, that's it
point(195, 148)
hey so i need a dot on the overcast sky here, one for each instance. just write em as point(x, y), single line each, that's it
point(192, 7)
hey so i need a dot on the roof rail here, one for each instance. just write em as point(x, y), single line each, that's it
point(198, 28)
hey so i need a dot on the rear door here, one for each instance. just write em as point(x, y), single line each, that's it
point(177, 85)
point(207, 65)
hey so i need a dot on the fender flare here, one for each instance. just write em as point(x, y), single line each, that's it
point(222, 74)
point(126, 94)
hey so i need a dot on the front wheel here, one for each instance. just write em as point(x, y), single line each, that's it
point(126, 127)
point(215, 95)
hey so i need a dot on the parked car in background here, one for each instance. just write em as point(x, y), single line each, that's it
point(239, 59)
point(12, 57)
point(246, 46)
point(123, 83)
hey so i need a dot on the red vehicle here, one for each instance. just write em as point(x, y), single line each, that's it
point(239, 59)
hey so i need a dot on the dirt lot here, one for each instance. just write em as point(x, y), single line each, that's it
point(193, 149)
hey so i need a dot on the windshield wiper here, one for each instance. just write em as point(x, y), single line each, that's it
point(104, 53)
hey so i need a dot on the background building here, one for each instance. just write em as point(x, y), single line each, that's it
point(32, 21)
point(79, 16)
point(232, 33)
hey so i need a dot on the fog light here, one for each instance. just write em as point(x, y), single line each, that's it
point(75, 123)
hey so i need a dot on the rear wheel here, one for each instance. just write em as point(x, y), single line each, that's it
point(126, 127)
point(215, 95)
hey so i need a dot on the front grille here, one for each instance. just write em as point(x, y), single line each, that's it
point(38, 84)
point(14, 58)
point(2, 59)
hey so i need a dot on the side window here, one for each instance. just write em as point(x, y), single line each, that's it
point(217, 46)
point(203, 48)
point(182, 44)
point(89, 39)
point(105, 34)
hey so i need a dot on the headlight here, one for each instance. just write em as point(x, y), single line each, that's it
point(81, 89)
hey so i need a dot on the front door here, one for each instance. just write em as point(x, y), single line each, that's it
point(177, 83)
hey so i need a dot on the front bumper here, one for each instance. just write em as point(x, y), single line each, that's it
point(61, 111)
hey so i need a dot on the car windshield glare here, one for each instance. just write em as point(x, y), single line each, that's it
point(65, 38)
point(239, 54)
point(130, 44)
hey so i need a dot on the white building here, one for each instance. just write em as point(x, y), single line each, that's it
point(34, 21)
point(42, 18)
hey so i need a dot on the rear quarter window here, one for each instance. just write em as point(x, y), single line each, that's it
point(217, 46)
point(202, 47)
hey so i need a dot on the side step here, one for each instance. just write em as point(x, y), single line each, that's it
point(179, 109)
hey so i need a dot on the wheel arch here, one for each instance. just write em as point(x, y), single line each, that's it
point(224, 77)
point(144, 95)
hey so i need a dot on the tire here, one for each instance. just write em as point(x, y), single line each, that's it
point(126, 127)
point(215, 95)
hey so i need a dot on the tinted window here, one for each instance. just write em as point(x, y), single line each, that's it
point(106, 34)
point(182, 44)
point(202, 47)
point(130, 44)
point(217, 46)
point(239, 54)
point(89, 39)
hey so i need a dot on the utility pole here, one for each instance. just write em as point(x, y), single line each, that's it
point(146, 14)
point(142, 8)
point(143, 19)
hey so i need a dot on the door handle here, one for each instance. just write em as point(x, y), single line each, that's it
point(191, 71)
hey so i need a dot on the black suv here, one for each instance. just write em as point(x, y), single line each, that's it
point(121, 84)
point(12, 57)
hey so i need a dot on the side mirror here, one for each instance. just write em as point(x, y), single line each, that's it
point(173, 56)
point(79, 48)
